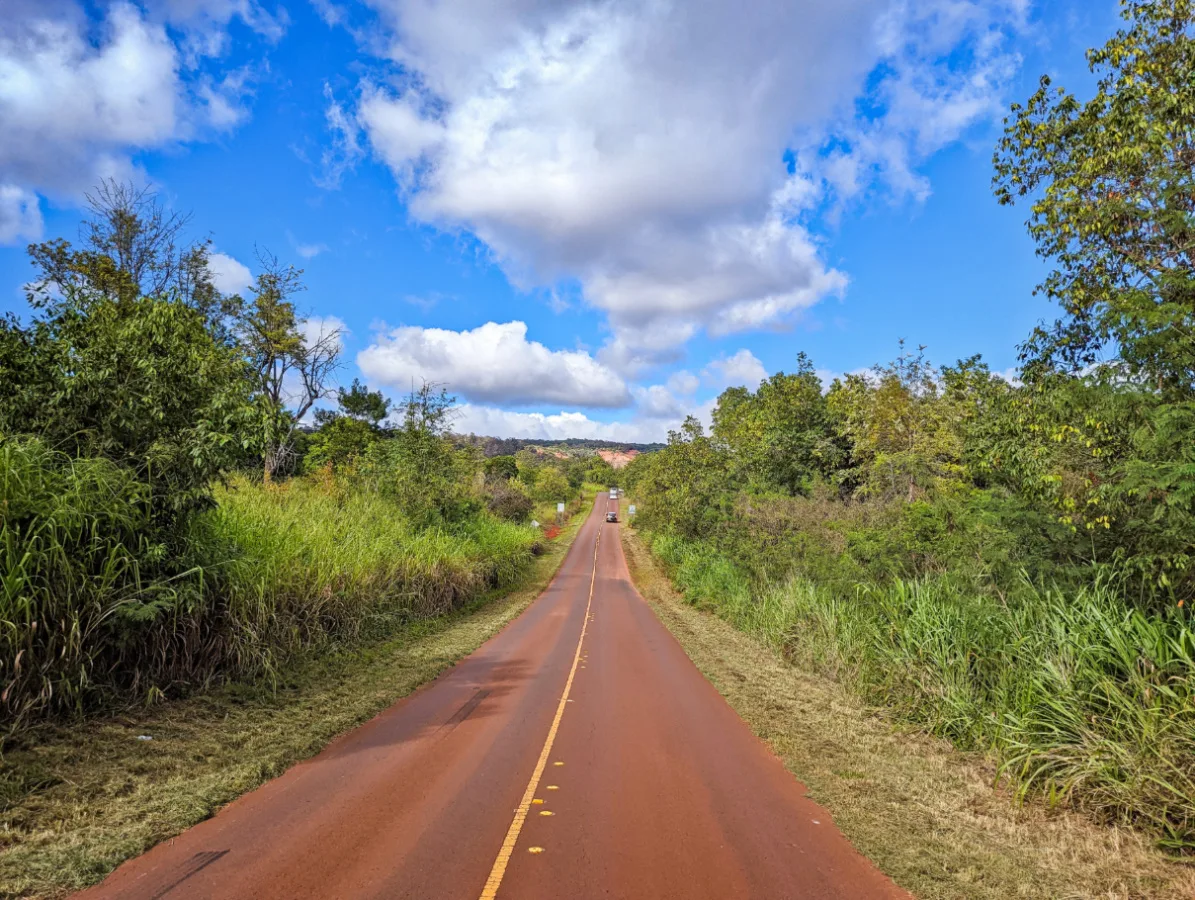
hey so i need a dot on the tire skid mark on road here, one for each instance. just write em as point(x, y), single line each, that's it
point(194, 865)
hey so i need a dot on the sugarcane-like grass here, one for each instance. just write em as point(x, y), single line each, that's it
point(1085, 700)
point(100, 609)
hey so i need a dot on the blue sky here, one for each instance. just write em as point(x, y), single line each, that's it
point(586, 218)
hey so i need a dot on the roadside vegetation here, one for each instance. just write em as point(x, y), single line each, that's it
point(924, 812)
point(79, 798)
point(1008, 563)
point(187, 498)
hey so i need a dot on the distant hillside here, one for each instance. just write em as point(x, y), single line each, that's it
point(618, 458)
point(608, 450)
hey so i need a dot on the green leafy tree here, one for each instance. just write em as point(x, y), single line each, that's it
point(363, 404)
point(551, 485)
point(131, 247)
point(1113, 187)
point(899, 427)
point(419, 468)
point(780, 436)
point(339, 443)
point(345, 434)
point(138, 380)
point(684, 486)
point(501, 467)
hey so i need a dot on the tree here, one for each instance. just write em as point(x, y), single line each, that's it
point(685, 484)
point(418, 467)
point(551, 485)
point(899, 428)
point(1113, 181)
point(345, 434)
point(339, 442)
point(139, 381)
point(501, 467)
point(365, 405)
point(292, 369)
point(133, 247)
point(779, 436)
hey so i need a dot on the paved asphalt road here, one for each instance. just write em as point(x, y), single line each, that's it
point(578, 754)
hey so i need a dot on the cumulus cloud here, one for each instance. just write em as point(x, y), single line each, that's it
point(492, 363)
point(495, 422)
point(69, 107)
point(79, 97)
point(658, 402)
point(229, 275)
point(319, 328)
point(743, 369)
point(683, 382)
point(20, 215)
point(671, 156)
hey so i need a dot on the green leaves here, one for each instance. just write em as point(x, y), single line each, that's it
point(779, 437)
point(1112, 182)
point(138, 381)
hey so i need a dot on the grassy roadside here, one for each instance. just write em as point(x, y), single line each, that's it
point(927, 814)
point(76, 801)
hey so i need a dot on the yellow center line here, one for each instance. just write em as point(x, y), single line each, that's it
point(490, 891)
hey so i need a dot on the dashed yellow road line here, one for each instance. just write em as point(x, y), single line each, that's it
point(490, 891)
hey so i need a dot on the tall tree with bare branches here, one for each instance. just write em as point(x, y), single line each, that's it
point(293, 369)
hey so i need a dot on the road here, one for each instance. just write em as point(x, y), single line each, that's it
point(577, 754)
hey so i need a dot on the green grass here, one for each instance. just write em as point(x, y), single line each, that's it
point(1084, 700)
point(77, 800)
point(930, 816)
point(309, 563)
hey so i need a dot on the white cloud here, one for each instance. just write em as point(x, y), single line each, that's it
point(310, 251)
point(494, 422)
point(79, 97)
point(345, 150)
point(229, 275)
point(1013, 375)
point(330, 12)
point(683, 382)
point(68, 107)
point(205, 22)
point(20, 215)
point(638, 146)
point(743, 369)
point(492, 363)
point(316, 328)
point(658, 402)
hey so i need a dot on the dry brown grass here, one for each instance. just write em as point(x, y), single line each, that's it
point(77, 801)
point(927, 814)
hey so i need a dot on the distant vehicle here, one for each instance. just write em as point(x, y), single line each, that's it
point(611, 516)
point(613, 493)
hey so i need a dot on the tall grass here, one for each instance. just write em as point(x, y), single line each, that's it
point(1083, 699)
point(310, 563)
point(93, 611)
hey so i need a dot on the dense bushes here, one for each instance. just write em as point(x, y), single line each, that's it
point(91, 610)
